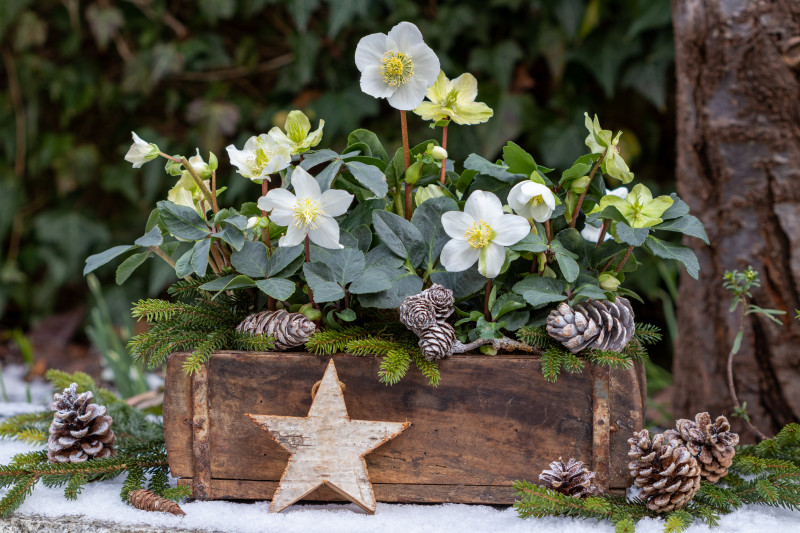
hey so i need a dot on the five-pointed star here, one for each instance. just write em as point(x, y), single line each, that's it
point(327, 447)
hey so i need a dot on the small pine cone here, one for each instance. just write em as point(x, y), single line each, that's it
point(442, 300)
point(572, 478)
point(150, 501)
point(417, 313)
point(592, 324)
point(711, 444)
point(288, 329)
point(81, 430)
point(436, 342)
point(665, 470)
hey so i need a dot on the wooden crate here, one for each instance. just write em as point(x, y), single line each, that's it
point(491, 421)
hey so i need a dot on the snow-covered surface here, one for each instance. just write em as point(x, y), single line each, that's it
point(17, 389)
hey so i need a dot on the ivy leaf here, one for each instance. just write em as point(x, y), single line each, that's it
point(400, 236)
point(278, 288)
point(506, 303)
point(668, 250)
point(688, 225)
point(487, 330)
point(127, 267)
point(183, 222)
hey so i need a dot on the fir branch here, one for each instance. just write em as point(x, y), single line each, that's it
point(74, 487)
point(647, 333)
point(610, 359)
point(247, 341)
point(429, 369)
point(552, 360)
point(331, 341)
point(394, 366)
point(181, 492)
point(536, 337)
point(14, 497)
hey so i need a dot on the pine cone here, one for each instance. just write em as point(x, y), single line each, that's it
point(664, 469)
point(436, 342)
point(288, 329)
point(592, 324)
point(417, 313)
point(442, 300)
point(711, 444)
point(150, 501)
point(81, 430)
point(571, 478)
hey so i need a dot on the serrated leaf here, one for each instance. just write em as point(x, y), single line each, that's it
point(282, 257)
point(668, 250)
point(688, 225)
point(251, 260)
point(373, 279)
point(400, 236)
point(369, 176)
point(632, 236)
point(182, 222)
point(127, 267)
point(278, 288)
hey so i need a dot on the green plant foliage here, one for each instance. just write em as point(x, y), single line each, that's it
point(139, 450)
point(767, 473)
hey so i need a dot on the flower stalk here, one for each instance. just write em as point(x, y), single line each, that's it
point(444, 145)
point(307, 250)
point(603, 231)
point(577, 210)
point(406, 162)
point(624, 259)
point(487, 291)
point(211, 199)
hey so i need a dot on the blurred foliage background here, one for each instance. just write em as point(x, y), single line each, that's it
point(78, 76)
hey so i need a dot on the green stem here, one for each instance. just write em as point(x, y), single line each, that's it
point(583, 194)
point(210, 197)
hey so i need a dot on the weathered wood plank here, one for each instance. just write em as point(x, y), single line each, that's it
point(493, 420)
point(178, 419)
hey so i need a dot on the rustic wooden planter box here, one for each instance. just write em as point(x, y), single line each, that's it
point(491, 421)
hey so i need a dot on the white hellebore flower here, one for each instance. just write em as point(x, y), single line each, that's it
point(591, 232)
point(481, 234)
point(141, 151)
point(261, 156)
point(532, 200)
point(398, 66)
point(307, 212)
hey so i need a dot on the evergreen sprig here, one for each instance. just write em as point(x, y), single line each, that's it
point(772, 478)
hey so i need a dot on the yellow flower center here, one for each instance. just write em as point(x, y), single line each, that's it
point(479, 234)
point(257, 160)
point(307, 214)
point(397, 68)
point(536, 200)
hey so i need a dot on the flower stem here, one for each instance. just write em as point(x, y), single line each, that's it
point(218, 263)
point(487, 292)
point(308, 260)
point(214, 190)
point(603, 230)
point(406, 161)
point(206, 192)
point(444, 161)
point(265, 230)
point(624, 259)
point(163, 255)
point(583, 194)
point(547, 231)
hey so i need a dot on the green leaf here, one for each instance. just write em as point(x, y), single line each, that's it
point(483, 166)
point(151, 238)
point(363, 237)
point(278, 288)
point(369, 176)
point(233, 236)
point(316, 158)
point(404, 284)
point(182, 222)
point(581, 167)
point(532, 242)
point(463, 284)
point(506, 303)
point(400, 236)
point(678, 208)
point(668, 250)
point(518, 160)
point(251, 260)
point(326, 177)
point(345, 264)
point(200, 256)
point(373, 279)
point(126, 268)
point(318, 276)
point(281, 258)
point(632, 236)
point(238, 221)
point(737, 342)
point(572, 241)
point(688, 225)
point(428, 220)
point(232, 281)
point(183, 266)
point(569, 267)
point(538, 299)
point(487, 330)
point(93, 262)
point(371, 140)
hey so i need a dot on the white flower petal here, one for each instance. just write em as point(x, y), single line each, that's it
point(293, 237)
point(326, 235)
point(281, 216)
point(405, 35)
point(277, 198)
point(426, 64)
point(517, 199)
point(621, 192)
point(541, 212)
point(458, 255)
point(592, 233)
point(491, 261)
point(305, 186)
point(372, 83)
point(138, 140)
point(510, 230)
point(456, 224)
point(410, 95)
point(483, 205)
point(370, 50)
point(334, 202)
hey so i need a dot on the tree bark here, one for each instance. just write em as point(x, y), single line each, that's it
point(738, 167)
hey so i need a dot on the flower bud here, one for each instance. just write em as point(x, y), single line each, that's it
point(438, 153)
point(608, 282)
point(141, 151)
point(312, 314)
point(426, 193)
point(297, 126)
point(413, 173)
point(579, 185)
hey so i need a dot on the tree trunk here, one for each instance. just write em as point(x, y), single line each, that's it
point(738, 167)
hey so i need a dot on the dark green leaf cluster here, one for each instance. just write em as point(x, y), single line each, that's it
point(396, 345)
point(767, 473)
point(556, 358)
point(203, 326)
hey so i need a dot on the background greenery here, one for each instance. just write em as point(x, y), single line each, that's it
point(79, 76)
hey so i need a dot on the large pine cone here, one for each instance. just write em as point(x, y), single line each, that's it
point(572, 478)
point(442, 300)
point(593, 324)
point(417, 314)
point(665, 470)
point(711, 444)
point(288, 329)
point(81, 430)
point(437, 341)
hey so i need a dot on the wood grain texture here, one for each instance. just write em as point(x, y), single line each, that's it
point(492, 420)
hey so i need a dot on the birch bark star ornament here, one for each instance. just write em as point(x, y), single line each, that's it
point(327, 448)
